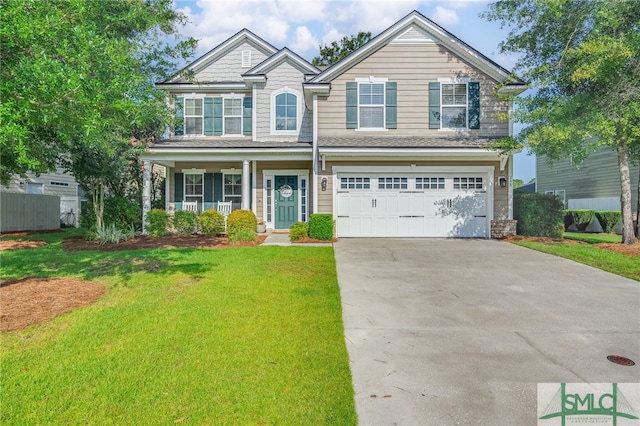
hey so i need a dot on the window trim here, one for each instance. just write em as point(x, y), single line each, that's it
point(373, 80)
point(192, 172)
point(233, 197)
point(185, 98)
point(298, 96)
point(224, 129)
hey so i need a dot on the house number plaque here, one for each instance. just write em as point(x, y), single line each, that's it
point(286, 191)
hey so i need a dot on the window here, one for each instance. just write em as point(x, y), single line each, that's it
point(429, 183)
point(392, 183)
point(56, 183)
point(371, 105)
point(303, 199)
point(463, 183)
point(355, 183)
point(193, 187)
point(286, 115)
point(269, 199)
point(193, 116)
point(35, 188)
point(232, 189)
point(233, 116)
point(454, 106)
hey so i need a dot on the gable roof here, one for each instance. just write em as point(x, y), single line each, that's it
point(283, 54)
point(413, 26)
point(232, 42)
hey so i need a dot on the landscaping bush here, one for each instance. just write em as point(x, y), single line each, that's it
point(211, 222)
point(608, 219)
point(111, 234)
point(568, 219)
point(157, 223)
point(185, 222)
point(321, 226)
point(538, 214)
point(242, 236)
point(299, 231)
point(241, 221)
point(582, 218)
point(120, 211)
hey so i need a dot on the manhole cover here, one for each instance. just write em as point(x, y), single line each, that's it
point(621, 360)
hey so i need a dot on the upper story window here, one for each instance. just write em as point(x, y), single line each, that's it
point(232, 116)
point(454, 104)
point(286, 111)
point(193, 117)
point(371, 104)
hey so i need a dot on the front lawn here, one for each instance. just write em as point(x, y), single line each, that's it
point(243, 335)
point(626, 265)
point(593, 238)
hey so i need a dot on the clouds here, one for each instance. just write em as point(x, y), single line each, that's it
point(444, 16)
point(304, 40)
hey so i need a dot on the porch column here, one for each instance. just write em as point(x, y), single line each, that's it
point(246, 185)
point(167, 188)
point(146, 193)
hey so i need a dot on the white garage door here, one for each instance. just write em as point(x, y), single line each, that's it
point(412, 205)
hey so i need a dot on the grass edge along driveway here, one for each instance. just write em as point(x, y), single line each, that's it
point(235, 336)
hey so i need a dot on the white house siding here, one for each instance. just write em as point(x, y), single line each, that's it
point(500, 195)
point(57, 183)
point(597, 176)
point(281, 75)
point(229, 67)
point(413, 66)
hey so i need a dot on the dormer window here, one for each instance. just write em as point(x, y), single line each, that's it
point(246, 59)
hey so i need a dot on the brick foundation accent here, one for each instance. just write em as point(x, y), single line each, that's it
point(503, 228)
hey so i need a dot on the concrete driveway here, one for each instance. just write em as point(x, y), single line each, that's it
point(447, 332)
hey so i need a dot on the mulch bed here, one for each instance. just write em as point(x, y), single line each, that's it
point(630, 249)
point(147, 242)
point(20, 244)
point(27, 301)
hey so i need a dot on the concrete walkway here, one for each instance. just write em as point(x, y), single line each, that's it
point(460, 332)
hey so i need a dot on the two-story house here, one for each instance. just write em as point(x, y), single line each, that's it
point(392, 140)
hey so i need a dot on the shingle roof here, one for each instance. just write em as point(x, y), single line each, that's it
point(225, 143)
point(403, 142)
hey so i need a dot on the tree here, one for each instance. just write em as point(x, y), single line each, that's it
point(583, 59)
point(517, 183)
point(330, 54)
point(78, 82)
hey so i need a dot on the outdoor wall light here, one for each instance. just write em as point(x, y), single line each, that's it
point(503, 182)
point(323, 183)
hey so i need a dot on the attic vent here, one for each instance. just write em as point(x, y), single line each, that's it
point(246, 59)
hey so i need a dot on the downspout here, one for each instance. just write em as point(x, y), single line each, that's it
point(315, 153)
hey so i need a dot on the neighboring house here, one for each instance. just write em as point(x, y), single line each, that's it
point(592, 184)
point(527, 187)
point(57, 183)
point(392, 140)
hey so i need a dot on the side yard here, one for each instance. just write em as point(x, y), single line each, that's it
point(240, 335)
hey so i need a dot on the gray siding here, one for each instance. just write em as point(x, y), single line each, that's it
point(229, 66)
point(597, 177)
point(29, 212)
point(55, 183)
point(413, 66)
point(282, 75)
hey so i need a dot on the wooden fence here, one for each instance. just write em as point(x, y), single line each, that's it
point(29, 212)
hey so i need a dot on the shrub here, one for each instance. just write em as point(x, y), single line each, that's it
point(241, 220)
point(582, 218)
point(538, 214)
point(157, 223)
point(185, 222)
point(112, 234)
point(119, 211)
point(568, 219)
point(608, 219)
point(299, 231)
point(211, 222)
point(321, 226)
point(243, 235)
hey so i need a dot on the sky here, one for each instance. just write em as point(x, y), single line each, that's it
point(302, 25)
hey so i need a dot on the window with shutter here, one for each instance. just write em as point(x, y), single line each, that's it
point(371, 104)
point(454, 105)
point(232, 111)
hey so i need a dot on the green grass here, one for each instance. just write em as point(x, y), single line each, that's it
point(617, 263)
point(246, 335)
point(593, 238)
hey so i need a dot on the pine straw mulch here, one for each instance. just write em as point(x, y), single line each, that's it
point(629, 249)
point(20, 244)
point(28, 301)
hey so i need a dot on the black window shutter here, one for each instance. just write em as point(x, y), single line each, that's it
point(247, 116)
point(474, 105)
point(218, 195)
point(208, 187)
point(434, 105)
point(179, 187)
point(178, 128)
point(391, 105)
point(352, 105)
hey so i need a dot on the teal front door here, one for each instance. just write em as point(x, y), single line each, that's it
point(286, 205)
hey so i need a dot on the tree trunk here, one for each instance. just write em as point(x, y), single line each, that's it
point(98, 202)
point(628, 234)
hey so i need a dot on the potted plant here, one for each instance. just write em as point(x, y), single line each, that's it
point(261, 228)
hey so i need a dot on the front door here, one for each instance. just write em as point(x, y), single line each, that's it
point(286, 205)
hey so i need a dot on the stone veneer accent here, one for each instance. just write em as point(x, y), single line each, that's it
point(503, 228)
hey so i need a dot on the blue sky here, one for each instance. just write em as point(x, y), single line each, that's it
point(302, 25)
